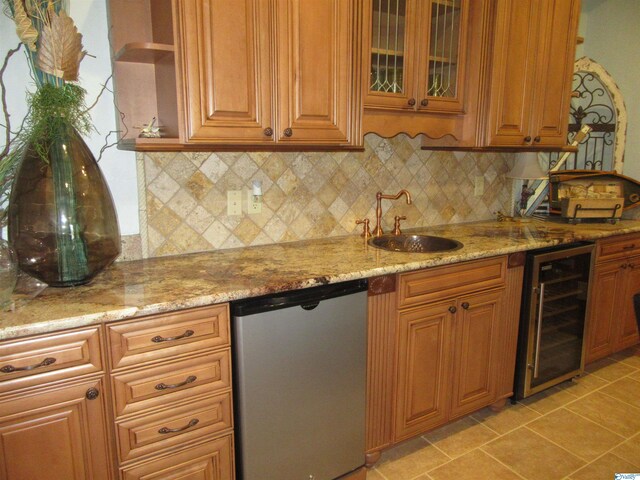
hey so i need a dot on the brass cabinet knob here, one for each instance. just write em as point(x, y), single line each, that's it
point(268, 132)
point(465, 305)
point(288, 132)
point(527, 139)
point(452, 309)
point(424, 102)
point(537, 139)
point(411, 102)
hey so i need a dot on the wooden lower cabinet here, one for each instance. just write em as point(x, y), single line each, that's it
point(442, 344)
point(172, 400)
point(611, 323)
point(212, 460)
point(56, 433)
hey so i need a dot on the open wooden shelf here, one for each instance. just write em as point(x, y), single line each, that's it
point(143, 52)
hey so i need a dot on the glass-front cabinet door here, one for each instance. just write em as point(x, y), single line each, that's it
point(416, 59)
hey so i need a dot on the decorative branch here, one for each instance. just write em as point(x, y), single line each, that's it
point(3, 96)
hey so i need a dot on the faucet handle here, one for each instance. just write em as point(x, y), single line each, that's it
point(396, 227)
point(366, 232)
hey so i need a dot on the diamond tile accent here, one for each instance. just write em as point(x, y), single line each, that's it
point(311, 194)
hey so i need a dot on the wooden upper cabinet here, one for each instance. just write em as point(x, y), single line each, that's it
point(422, 68)
point(315, 49)
point(259, 72)
point(416, 54)
point(532, 59)
point(226, 70)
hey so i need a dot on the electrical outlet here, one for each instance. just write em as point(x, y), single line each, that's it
point(253, 206)
point(234, 202)
point(478, 189)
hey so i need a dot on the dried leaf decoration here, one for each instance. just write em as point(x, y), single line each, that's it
point(60, 50)
point(27, 33)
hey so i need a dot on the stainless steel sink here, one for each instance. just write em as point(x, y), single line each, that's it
point(415, 243)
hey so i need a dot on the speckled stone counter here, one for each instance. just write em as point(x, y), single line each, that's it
point(142, 287)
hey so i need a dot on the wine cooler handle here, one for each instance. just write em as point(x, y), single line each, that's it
point(536, 362)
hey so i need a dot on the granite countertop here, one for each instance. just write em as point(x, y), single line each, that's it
point(132, 289)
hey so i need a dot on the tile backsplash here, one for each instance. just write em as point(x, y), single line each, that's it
point(183, 196)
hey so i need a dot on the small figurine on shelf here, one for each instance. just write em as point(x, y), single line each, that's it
point(149, 130)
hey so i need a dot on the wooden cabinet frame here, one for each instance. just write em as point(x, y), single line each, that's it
point(425, 366)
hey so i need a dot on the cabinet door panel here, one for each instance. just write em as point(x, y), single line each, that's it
point(477, 332)
point(424, 337)
point(315, 57)
point(512, 72)
point(603, 310)
point(444, 26)
point(627, 334)
point(57, 435)
point(553, 83)
point(390, 46)
point(226, 70)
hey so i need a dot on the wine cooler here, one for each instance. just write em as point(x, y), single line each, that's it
point(552, 317)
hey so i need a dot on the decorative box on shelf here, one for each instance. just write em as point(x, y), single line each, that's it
point(590, 197)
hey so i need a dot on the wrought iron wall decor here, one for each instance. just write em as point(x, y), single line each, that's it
point(597, 102)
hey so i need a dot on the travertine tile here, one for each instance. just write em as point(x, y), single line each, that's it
point(604, 468)
point(580, 436)
point(583, 385)
point(609, 369)
point(548, 400)
point(473, 466)
point(459, 437)
point(509, 418)
point(533, 456)
point(611, 413)
point(629, 450)
point(626, 390)
point(411, 460)
point(332, 189)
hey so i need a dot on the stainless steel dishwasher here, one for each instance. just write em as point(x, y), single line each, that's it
point(299, 382)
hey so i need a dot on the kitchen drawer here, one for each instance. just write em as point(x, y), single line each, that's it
point(210, 460)
point(450, 280)
point(173, 426)
point(617, 247)
point(167, 335)
point(144, 388)
point(48, 358)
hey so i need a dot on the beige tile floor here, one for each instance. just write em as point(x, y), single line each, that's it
point(587, 429)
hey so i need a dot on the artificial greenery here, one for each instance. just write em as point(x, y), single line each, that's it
point(53, 111)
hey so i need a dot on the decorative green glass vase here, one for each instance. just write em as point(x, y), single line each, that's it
point(62, 222)
point(8, 273)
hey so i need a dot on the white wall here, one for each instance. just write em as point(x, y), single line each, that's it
point(118, 166)
point(610, 29)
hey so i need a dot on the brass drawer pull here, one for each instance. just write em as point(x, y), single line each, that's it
point(164, 386)
point(165, 430)
point(629, 247)
point(44, 363)
point(159, 339)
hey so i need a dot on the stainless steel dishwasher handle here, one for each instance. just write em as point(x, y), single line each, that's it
point(536, 362)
